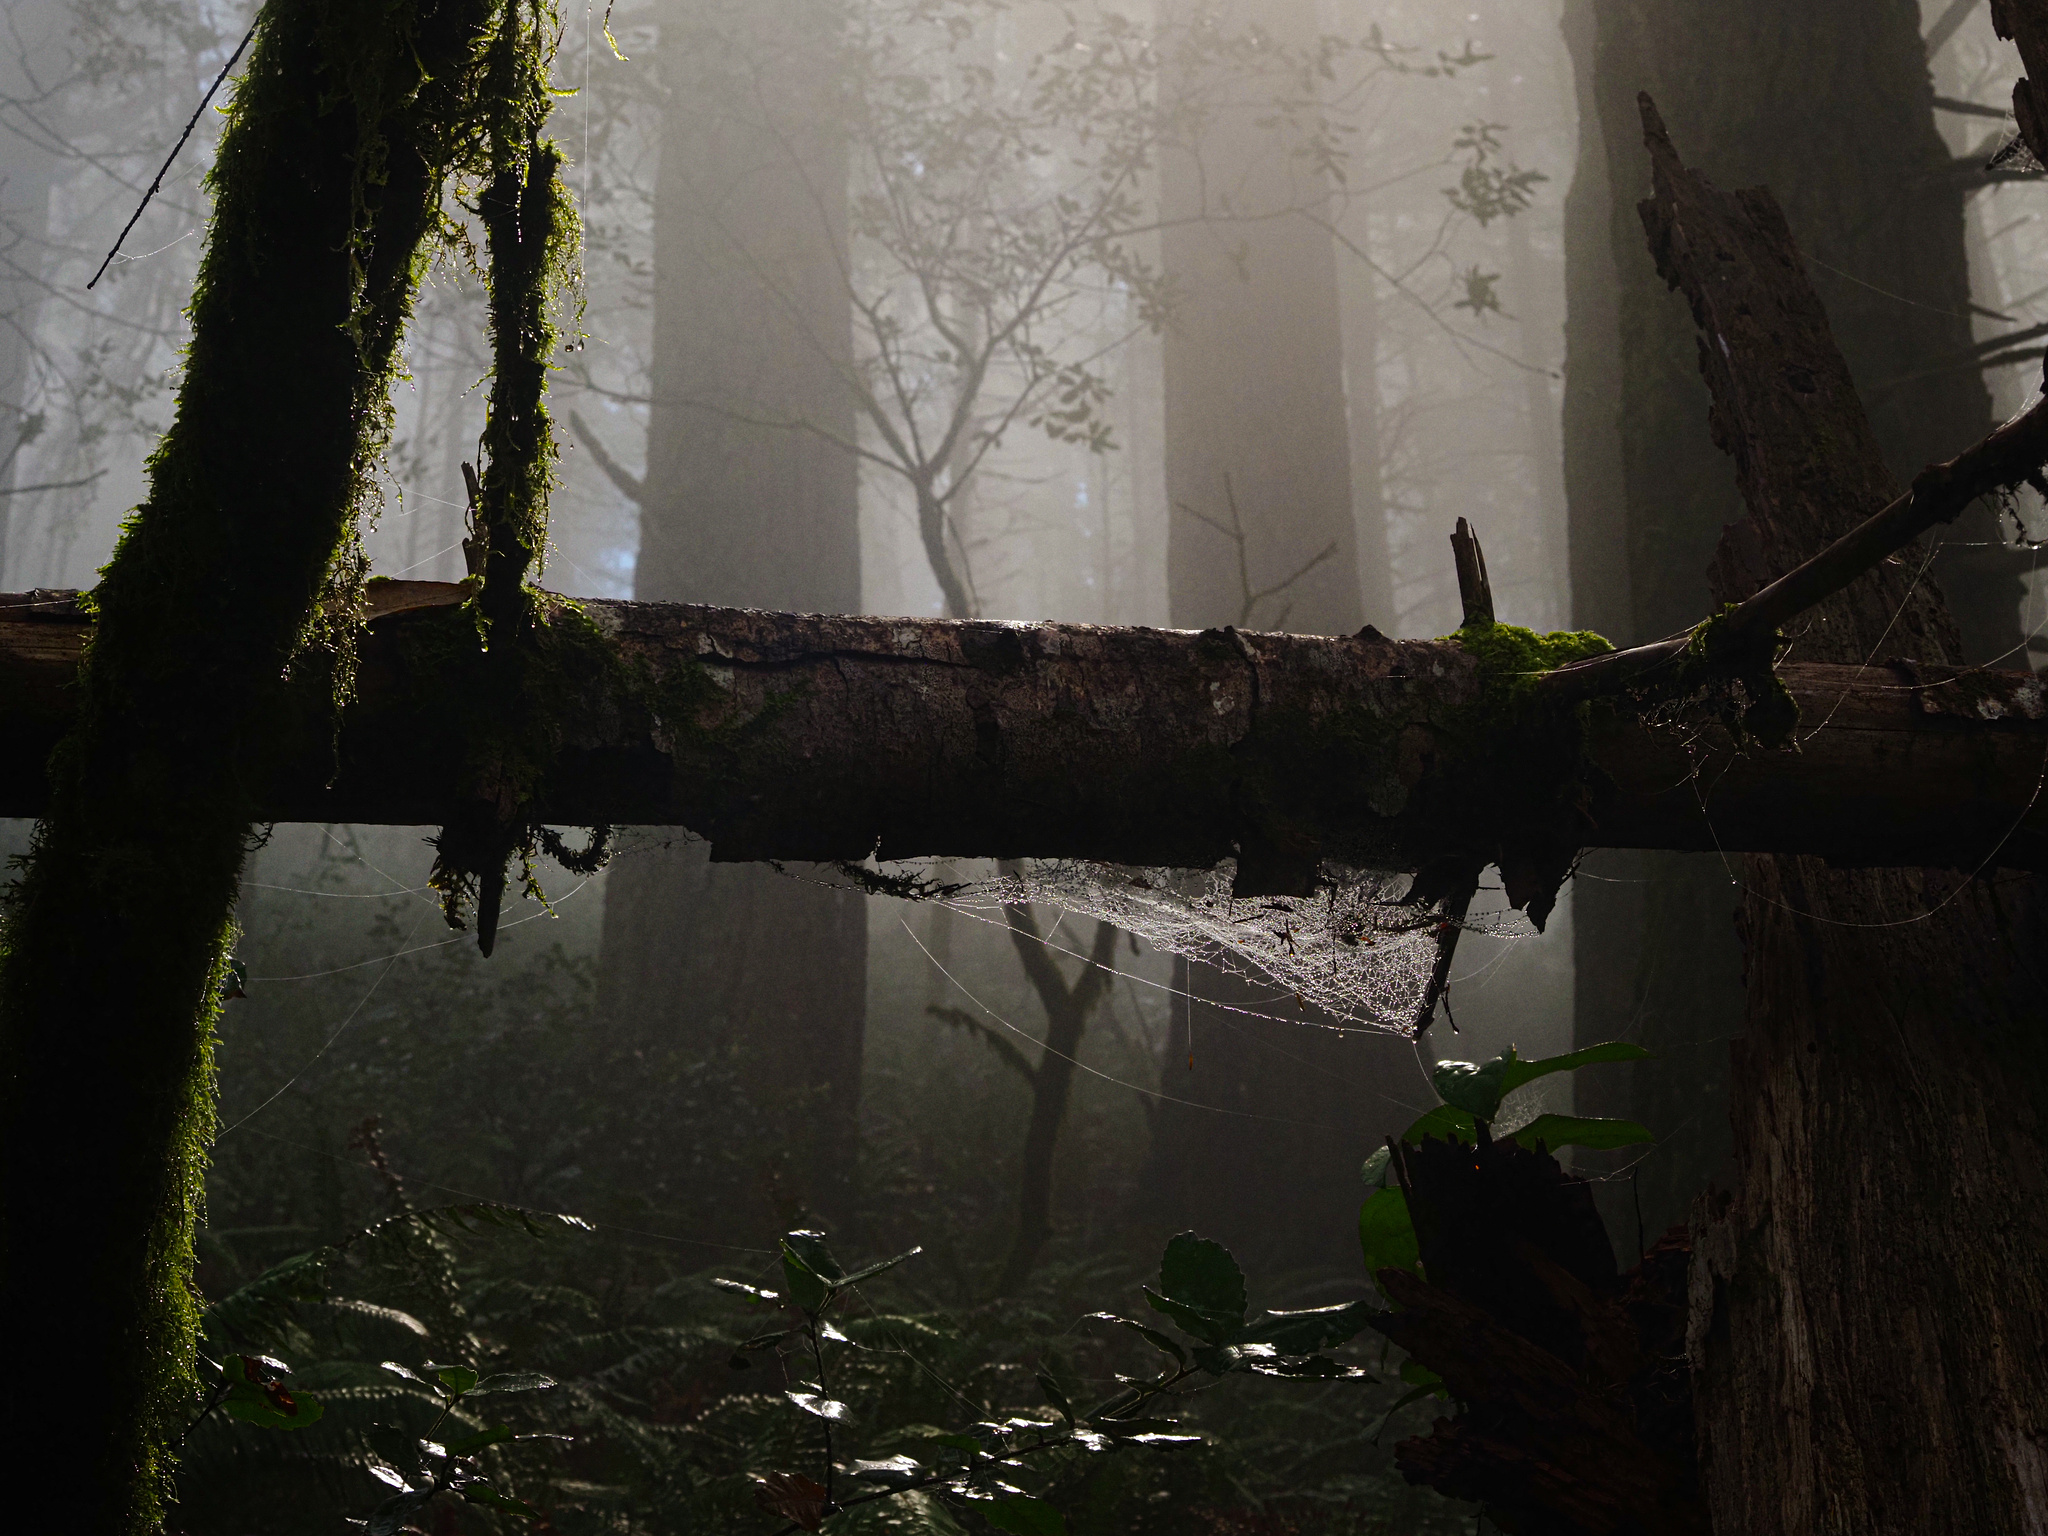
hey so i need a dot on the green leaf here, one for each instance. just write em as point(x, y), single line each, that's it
point(1152, 1336)
point(893, 1471)
point(1475, 1089)
point(458, 1379)
point(255, 1396)
point(1215, 1327)
point(809, 1269)
point(1303, 1333)
point(1375, 1170)
point(484, 1493)
point(964, 1443)
point(255, 1408)
point(469, 1445)
point(1314, 1368)
point(1478, 1089)
point(410, 1375)
point(1555, 1131)
point(513, 1381)
point(1516, 1073)
point(1386, 1234)
point(1200, 1287)
point(1025, 1517)
point(824, 1407)
point(1055, 1397)
point(1444, 1123)
point(873, 1270)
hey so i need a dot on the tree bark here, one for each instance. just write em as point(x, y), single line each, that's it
point(114, 945)
point(1865, 1330)
point(806, 737)
point(752, 323)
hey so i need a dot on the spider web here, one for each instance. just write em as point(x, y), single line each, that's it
point(1353, 950)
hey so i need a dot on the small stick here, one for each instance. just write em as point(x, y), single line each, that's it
point(165, 169)
point(1475, 592)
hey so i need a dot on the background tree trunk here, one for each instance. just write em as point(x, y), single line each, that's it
point(1255, 397)
point(1838, 121)
point(1865, 1326)
point(759, 977)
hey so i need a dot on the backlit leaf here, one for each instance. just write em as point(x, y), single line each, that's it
point(1386, 1234)
point(1555, 1131)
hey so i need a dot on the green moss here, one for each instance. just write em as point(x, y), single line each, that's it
point(1513, 658)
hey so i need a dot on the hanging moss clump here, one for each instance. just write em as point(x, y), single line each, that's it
point(530, 235)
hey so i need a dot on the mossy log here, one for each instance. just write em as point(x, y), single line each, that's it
point(799, 737)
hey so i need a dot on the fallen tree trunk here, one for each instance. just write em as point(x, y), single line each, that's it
point(811, 738)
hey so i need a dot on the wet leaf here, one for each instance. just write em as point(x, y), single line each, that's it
point(823, 1407)
point(894, 1471)
point(1197, 1272)
point(513, 1381)
point(1152, 1336)
point(1305, 1332)
point(873, 1270)
point(1314, 1368)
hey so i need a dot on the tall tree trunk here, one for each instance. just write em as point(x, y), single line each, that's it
point(114, 951)
point(1256, 438)
point(1360, 293)
point(1865, 1330)
point(1653, 941)
point(1881, 219)
point(761, 976)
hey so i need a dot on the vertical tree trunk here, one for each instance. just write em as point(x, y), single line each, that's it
point(1358, 285)
point(735, 965)
point(1254, 392)
point(1255, 370)
point(114, 950)
point(1654, 944)
point(1865, 1324)
point(1852, 153)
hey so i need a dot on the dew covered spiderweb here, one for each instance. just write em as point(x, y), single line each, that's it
point(1353, 950)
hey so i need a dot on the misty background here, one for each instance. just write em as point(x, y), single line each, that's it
point(1136, 315)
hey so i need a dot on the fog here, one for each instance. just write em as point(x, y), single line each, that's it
point(1022, 318)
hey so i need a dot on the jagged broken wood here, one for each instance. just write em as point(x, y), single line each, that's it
point(801, 737)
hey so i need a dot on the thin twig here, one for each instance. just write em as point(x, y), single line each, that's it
point(164, 169)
